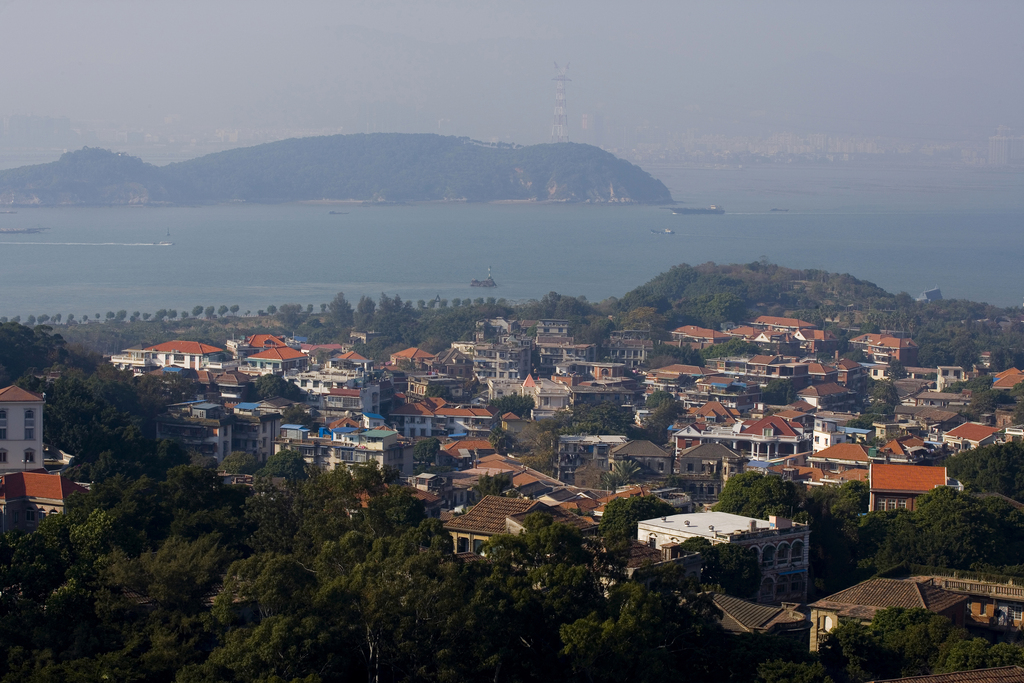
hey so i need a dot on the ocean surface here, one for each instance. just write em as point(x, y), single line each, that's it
point(906, 230)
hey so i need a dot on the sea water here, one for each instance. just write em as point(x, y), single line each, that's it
point(961, 230)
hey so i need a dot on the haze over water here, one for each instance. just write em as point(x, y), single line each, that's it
point(960, 230)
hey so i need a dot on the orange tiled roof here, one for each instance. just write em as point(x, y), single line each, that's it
point(468, 444)
point(827, 389)
point(36, 485)
point(265, 341)
point(177, 346)
point(279, 353)
point(844, 451)
point(351, 355)
point(918, 478)
point(780, 426)
point(488, 411)
point(972, 431)
point(14, 394)
point(700, 332)
point(744, 331)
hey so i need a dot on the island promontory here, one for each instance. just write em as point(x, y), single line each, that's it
point(380, 167)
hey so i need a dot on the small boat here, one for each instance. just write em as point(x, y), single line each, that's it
point(21, 231)
point(8, 212)
point(780, 210)
point(163, 244)
point(666, 231)
point(489, 282)
point(337, 213)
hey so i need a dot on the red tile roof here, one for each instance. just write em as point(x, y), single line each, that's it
point(827, 389)
point(488, 516)
point(469, 445)
point(36, 485)
point(700, 333)
point(177, 346)
point(779, 426)
point(853, 452)
point(918, 478)
point(279, 353)
point(972, 431)
point(351, 355)
point(265, 341)
point(14, 394)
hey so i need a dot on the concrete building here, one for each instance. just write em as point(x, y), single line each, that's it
point(781, 545)
point(27, 498)
point(21, 429)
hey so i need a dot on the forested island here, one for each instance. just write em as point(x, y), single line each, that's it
point(379, 167)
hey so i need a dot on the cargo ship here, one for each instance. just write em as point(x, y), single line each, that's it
point(711, 209)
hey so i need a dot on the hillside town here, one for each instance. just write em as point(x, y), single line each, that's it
point(463, 431)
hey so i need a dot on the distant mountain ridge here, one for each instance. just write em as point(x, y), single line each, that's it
point(369, 167)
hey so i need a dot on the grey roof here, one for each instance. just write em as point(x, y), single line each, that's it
point(640, 448)
point(711, 451)
point(743, 616)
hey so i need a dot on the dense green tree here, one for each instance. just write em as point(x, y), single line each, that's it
point(753, 494)
point(514, 403)
point(426, 450)
point(275, 386)
point(240, 462)
point(734, 569)
point(286, 463)
point(621, 515)
point(493, 486)
point(779, 392)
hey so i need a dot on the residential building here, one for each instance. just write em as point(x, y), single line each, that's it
point(552, 328)
point(705, 468)
point(816, 341)
point(771, 322)
point(769, 438)
point(653, 460)
point(243, 348)
point(254, 430)
point(554, 350)
point(948, 374)
point(21, 429)
point(455, 363)
point(860, 603)
point(971, 435)
point(26, 498)
point(828, 396)
point(896, 487)
point(698, 337)
point(574, 451)
point(548, 396)
point(180, 354)
point(486, 519)
point(348, 446)
point(781, 545)
point(452, 388)
point(840, 457)
point(417, 358)
point(631, 352)
point(883, 348)
point(350, 362)
point(500, 360)
point(198, 426)
point(277, 360)
point(742, 616)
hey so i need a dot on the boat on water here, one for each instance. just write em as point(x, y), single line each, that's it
point(714, 208)
point(489, 282)
point(8, 212)
point(666, 231)
point(21, 231)
point(780, 210)
point(337, 213)
point(163, 244)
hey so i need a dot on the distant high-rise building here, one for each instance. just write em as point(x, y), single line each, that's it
point(998, 150)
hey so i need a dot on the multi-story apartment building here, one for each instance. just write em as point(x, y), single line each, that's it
point(348, 446)
point(21, 429)
point(555, 350)
point(176, 354)
point(767, 439)
point(198, 426)
point(574, 451)
point(254, 430)
point(509, 359)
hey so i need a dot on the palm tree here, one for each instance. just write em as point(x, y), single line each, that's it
point(623, 472)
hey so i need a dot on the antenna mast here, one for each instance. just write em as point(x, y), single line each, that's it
point(560, 128)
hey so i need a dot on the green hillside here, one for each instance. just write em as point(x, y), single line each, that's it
point(377, 167)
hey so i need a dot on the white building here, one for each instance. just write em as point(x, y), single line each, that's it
point(780, 544)
point(21, 429)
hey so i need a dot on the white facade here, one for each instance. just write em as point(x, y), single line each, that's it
point(21, 430)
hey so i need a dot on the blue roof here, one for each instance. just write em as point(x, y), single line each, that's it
point(172, 369)
point(247, 406)
point(205, 405)
point(301, 340)
point(757, 463)
point(856, 430)
point(455, 436)
point(343, 430)
point(294, 427)
point(374, 416)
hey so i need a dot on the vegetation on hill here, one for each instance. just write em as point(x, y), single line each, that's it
point(378, 167)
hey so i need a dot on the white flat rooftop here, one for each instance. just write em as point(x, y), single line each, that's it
point(699, 523)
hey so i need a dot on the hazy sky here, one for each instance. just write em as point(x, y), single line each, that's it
point(484, 69)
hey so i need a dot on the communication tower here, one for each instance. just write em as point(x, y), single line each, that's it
point(560, 128)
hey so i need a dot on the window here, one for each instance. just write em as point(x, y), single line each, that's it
point(30, 424)
point(768, 556)
point(689, 467)
point(30, 515)
point(652, 541)
point(901, 504)
point(478, 545)
point(30, 455)
point(797, 552)
point(3, 424)
point(3, 456)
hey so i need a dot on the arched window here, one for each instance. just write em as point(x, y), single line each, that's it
point(797, 552)
point(3, 455)
point(652, 540)
point(30, 455)
point(767, 589)
point(768, 556)
point(782, 555)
